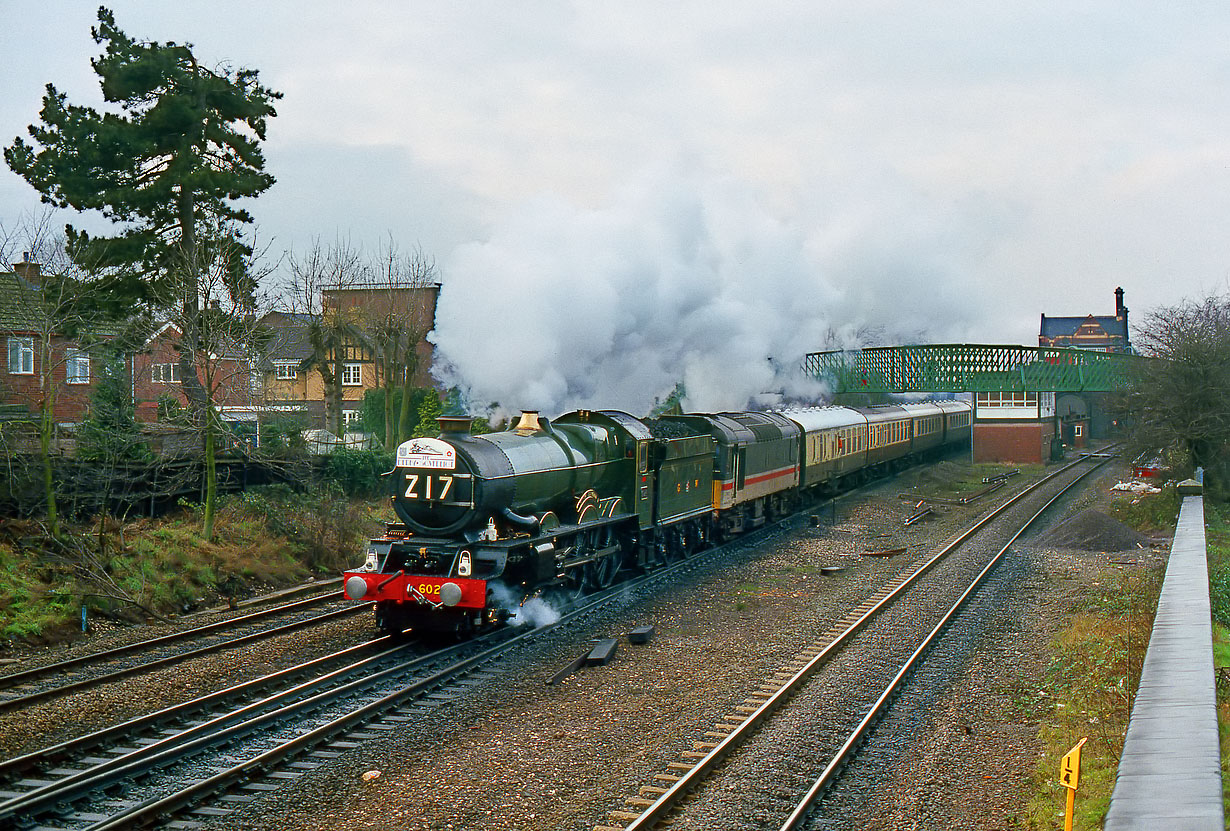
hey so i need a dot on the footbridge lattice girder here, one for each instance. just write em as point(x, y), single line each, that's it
point(971, 368)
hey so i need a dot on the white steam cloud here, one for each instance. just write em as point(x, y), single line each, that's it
point(534, 612)
point(681, 279)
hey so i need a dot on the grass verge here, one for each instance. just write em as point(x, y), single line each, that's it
point(1090, 682)
point(1217, 529)
point(264, 538)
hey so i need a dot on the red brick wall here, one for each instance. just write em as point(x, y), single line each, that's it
point(1026, 443)
point(230, 379)
point(71, 400)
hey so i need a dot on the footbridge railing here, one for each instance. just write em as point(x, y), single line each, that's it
point(971, 368)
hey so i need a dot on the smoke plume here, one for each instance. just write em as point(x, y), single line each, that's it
point(681, 279)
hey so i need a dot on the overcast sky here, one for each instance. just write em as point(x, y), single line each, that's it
point(621, 195)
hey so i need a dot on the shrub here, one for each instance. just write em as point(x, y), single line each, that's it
point(357, 473)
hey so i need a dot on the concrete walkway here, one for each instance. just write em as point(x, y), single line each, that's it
point(1170, 774)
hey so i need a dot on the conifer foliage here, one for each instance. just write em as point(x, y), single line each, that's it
point(167, 164)
point(183, 149)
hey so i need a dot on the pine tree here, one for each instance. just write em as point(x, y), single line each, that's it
point(168, 169)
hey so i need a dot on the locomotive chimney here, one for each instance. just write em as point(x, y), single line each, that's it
point(455, 424)
point(529, 422)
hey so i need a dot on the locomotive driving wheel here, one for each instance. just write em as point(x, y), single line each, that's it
point(600, 573)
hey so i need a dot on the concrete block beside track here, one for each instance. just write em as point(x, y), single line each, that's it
point(1170, 772)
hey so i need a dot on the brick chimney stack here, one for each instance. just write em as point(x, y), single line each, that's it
point(26, 269)
point(1121, 313)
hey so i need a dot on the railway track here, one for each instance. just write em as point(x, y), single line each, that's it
point(208, 756)
point(768, 765)
point(182, 766)
point(30, 686)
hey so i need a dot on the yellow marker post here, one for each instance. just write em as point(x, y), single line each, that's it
point(1070, 777)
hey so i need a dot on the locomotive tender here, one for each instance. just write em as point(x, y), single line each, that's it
point(486, 522)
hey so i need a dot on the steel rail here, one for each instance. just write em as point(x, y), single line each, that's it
point(690, 780)
point(59, 753)
point(221, 729)
point(26, 675)
point(52, 692)
point(807, 804)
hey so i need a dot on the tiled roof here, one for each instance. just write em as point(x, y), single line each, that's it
point(1053, 327)
point(289, 336)
point(21, 308)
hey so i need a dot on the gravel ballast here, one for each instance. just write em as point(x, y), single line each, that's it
point(516, 753)
point(521, 754)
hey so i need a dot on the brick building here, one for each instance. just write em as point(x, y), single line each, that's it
point(1106, 333)
point(1013, 426)
point(227, 376)
point(1020, 426)
point(40, 358)
point(367, 317)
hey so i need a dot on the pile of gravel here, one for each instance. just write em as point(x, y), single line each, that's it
point(1092, 530)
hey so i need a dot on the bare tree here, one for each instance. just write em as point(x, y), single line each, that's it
point(1179, 404)
point(331, 332)
point(219, 343)
point(395, 320)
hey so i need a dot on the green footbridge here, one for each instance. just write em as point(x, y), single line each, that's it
point(969, 367)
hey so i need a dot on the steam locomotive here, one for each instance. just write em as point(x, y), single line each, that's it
point(487, 522)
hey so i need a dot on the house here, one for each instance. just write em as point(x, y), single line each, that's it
point(366, 323)
point(293, 380)
point(1107, 333)
point(40, 358)
point(390, 310)
point(227, 376)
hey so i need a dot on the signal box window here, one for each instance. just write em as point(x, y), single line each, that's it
point(352, 375)
point(285, 371)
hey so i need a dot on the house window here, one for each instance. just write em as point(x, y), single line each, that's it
point(164, 373)
point(21, 356)
point(352, 419)
point(352, 375)
point(285, 370)
point(77, 363)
